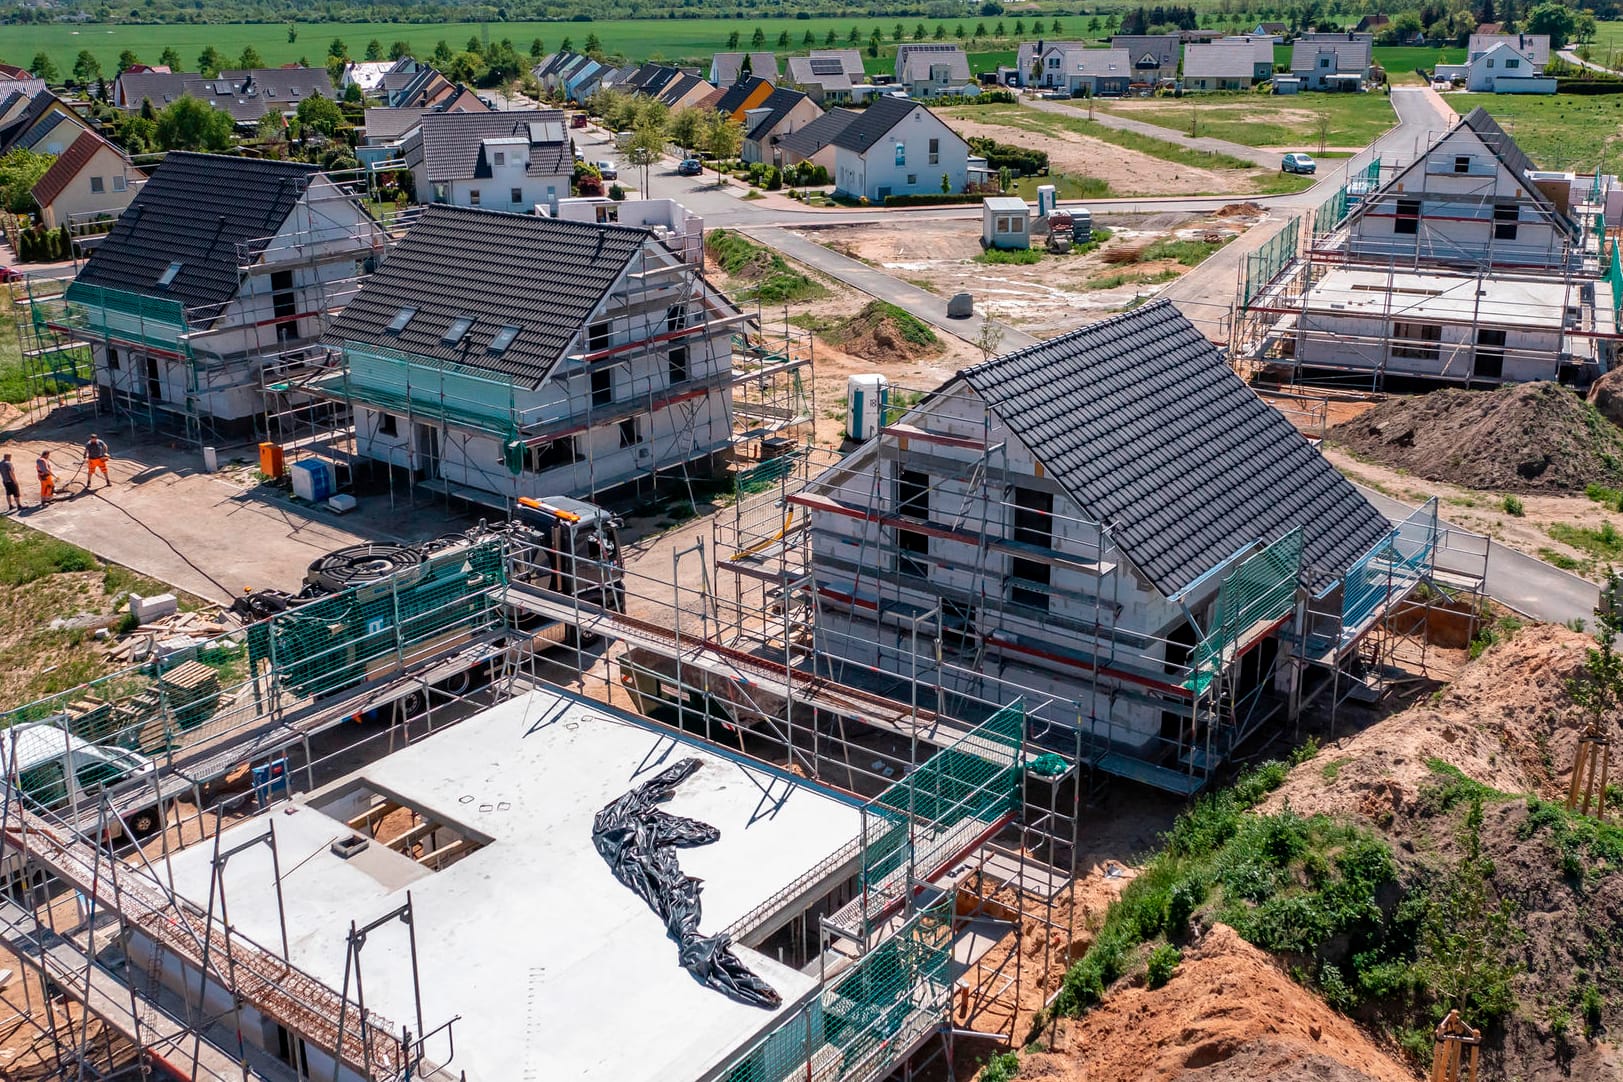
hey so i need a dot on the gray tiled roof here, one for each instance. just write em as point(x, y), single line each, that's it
point(819, 133)
point(543, 275)
point(780, 101)
point(1149, 431)
point(450, 144)
point(1352, 56)
point(387, 125)
point(874, 122)
point(726, 66)
point(196, 210)
point(246, 94)
point(1219, 61)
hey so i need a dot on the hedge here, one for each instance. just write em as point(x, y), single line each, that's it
point(931, 200)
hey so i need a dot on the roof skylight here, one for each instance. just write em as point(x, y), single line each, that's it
point(503, 338)
point(401, 318)
point(459, 327)
point(168, 276)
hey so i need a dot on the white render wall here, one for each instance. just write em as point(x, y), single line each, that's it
point(325, 243)
point(1362, 342)
point(1137, 615)
point(868, 173)
point(1456, 213)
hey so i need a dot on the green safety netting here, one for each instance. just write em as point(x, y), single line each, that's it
point(868, 1018)
point(405, 383)
point(1261, 590)
point(159, 322)
point(764, 476)
point(1265, 263)
point(340, 640)
point(1614, 275)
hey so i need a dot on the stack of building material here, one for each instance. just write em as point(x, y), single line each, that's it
point(192, 691)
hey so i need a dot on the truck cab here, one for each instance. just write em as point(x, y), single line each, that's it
point(570, 547)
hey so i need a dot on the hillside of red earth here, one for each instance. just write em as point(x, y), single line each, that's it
point(1527, 437)
point(1507, 732)
point(1230, 1013)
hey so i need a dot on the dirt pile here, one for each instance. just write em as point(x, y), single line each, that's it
point(1530, 437)
point(1507, 722)
point(885, 333)
point(1606, 395)
point(1229, 1012)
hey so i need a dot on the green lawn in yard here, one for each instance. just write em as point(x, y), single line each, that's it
point(1607, 48)
point(13, 387)
point(1558, 131)
point(1294, 121)
point(1395, 60)
point(1065, 185)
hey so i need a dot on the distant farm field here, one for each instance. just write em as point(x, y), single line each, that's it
point(692, 40)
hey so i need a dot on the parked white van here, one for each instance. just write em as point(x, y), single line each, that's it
point(56, 770)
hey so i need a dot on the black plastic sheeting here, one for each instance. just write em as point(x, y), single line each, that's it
point(640, 842)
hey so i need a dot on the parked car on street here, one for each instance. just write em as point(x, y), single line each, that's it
point(1298, 163)
point(690, 167)
point(608, 171)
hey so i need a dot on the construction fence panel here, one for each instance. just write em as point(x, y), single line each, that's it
point(433, 389)
point(1262, 590)
point(1390, 569)
point(858, 1028)
point(1264, 265)
point(1614, 276)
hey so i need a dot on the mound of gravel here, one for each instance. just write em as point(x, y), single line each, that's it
point(1527, 437)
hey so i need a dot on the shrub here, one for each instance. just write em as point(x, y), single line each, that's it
point(1005, 256)
point(617, 193)
point(1022, 161)
point(1163, 960)
point(1513, 506)
point(931, 199)
point(1001, 1068)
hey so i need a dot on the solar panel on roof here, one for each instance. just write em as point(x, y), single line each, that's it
point(826, 65)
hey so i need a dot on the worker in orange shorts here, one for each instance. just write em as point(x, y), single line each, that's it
point(47, 479)
point(95, 459)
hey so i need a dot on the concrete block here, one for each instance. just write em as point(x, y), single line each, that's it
point(148, 609)
point(341, 503)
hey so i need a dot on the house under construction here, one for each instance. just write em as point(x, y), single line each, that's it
point(221, 272)
point(1466, 266)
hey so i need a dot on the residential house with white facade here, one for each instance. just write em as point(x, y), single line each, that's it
point(512, 160)
point(1154, 56)
point(1332, 61)
point(932, 70)
point(898, 147)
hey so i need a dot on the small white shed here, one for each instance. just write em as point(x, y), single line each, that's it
point(1005, 222)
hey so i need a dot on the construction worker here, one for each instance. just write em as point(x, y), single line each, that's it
point(95, 459)
point(8, 477)
point(47, 479)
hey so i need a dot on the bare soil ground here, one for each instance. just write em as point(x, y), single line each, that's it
point(1229, 1012)
point(1044, 298)
point(1128, 172)
point(1531, 437)
point(1507, 722)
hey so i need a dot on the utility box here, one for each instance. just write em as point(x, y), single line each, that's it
point(314, 480)
point(1082, 226)
point(271, 462)
point(864, 405)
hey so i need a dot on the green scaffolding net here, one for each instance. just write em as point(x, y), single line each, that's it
point(375, 629)
point(1261, 591)
point(159, 322)
point(866, 1019)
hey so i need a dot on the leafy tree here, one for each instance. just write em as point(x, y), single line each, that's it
point(250, 58)
point(271, 126)
point(646, 147)
point(1586, 26)
point(41, 66)
point(210, 61)
point(400, 50)
point(722, 137)
point(1597, 691)
point(1556, 20)
point(918, 32)
point(338, 48)
point(594, 47)
point(502, 64)
point(732, 40)
point(190, 124)
point(758, 39)
point(940, 31)
point(829, 38)
point(86, 68)
point(20, 170)
point(998, 32)
point(374, 50)
point(1020, 28)
point(538, 49)
point(353, 95)
point(475, 46)
point(442, 54)
point(685, 127)
point(126, 60)
point(464, 67)
point(318, 114)
point(854, 36)
point(1055, 28)
point(896, 32)
point(1466, 940)
point(169, 58)
point(1093, 25)
point(783, 40)
point(808, 40)
point(567, 46)
point(292, 33)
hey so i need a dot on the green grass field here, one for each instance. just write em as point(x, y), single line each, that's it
point(638, 39)
point(1258, 120)
point(1561, 131)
